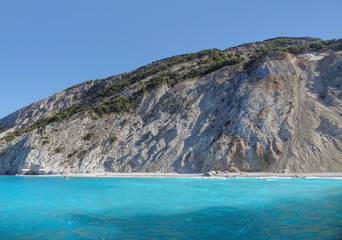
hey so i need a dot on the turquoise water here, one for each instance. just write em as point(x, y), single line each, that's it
point(165, 208)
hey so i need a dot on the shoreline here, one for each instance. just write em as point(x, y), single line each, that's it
point(197, 175)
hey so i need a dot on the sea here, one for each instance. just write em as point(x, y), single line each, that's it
point(170, 208)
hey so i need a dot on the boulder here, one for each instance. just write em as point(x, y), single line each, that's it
point(209, 174)
point(233, 169)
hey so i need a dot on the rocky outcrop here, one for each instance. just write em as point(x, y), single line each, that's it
point(283, 111)
point(51, 105)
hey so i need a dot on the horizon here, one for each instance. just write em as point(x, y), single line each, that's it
point(48, 47)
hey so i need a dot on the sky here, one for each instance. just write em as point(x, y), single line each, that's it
point(47, 46)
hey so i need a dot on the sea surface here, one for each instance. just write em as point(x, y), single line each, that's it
point(169, 208)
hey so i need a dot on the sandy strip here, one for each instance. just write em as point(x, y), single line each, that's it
point(201, 175)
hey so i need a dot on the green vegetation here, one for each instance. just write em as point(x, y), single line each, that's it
point(279, 44)
point(169, 78)
point(108, 100)
point(213, 59)
point(113, 139)
point(70, 155)
point(209, 61)
point(58, 150)
point(221, 61)
point(155, 82)
point(46, 141)
point(40, 124)
point(292, 45)
point(298, 49)
point(124, 122)
point(9, 137)
point(2, 129)
point(300, 45)
point(318, 45)
point(136, 76)
point(113, 105)
point(88, 136)
point(82, 153)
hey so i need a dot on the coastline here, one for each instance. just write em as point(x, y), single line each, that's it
point(199, 175)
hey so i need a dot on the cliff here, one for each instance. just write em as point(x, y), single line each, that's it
point(262, 106)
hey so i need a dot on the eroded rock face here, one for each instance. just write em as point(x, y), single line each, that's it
point(49, 106)
point(284, 112)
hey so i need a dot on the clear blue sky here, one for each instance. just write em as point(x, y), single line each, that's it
point(47, 46)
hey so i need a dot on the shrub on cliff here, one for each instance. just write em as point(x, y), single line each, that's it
point(88, 136)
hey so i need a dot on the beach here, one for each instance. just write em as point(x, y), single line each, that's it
point(200, 175)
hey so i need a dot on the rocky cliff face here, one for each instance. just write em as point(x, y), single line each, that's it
point(267, 106)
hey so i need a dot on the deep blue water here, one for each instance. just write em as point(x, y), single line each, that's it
point(165, 208)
